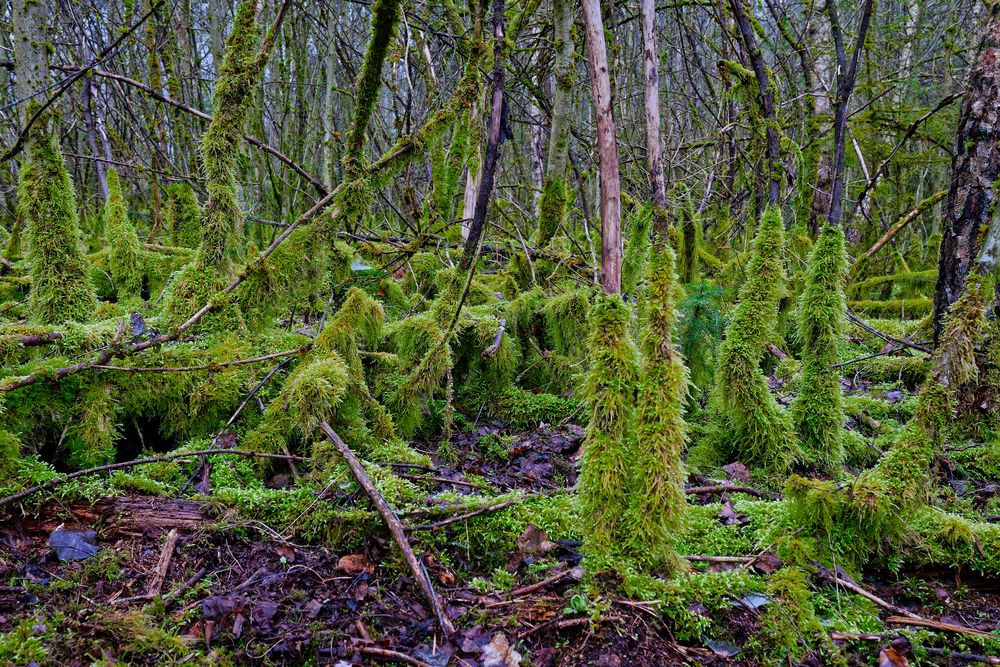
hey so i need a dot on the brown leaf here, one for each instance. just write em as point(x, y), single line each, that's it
point(894, 654)
point(285, 551)
point(736, 471)
point(355, 564)
point(767, 562)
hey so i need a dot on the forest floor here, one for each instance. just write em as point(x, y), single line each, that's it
point(238, 591)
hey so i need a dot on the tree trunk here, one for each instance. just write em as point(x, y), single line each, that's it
point(975, 169)
point(31, 60)
point(654, 150)
point(607, 149)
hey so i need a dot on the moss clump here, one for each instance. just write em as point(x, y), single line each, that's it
point(313, 392)
point(566, 321)
point(183, 215)
point(126, 257)
point(818, 410)
point(609, 447)
point(790, 629)
point(61, 290)
point(551, 208)
point(657, 500)
point(761, 430)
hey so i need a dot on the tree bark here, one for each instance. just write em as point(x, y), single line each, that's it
point(31, 62)
point(607, 149)
point(493, 140)
point(654, 150)
point(975, 169)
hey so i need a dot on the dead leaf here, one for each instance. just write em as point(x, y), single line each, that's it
point(730, 517)
point(285, 551)
point(894, 655)
point(767, 563)
point(736, 471)
point(499, 653)
point(355, 564)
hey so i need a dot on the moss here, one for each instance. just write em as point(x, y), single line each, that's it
point(61, 290)
point(566, 321)
point(818, 411)
point(910, 371)
point(762, 432)
point(313, 392)
point(90, 440)
point(126, 257)
point(790, 629)
point(609, 446)
point(639, 223)
point(657, 500)
point(385, 18)
point(183, 215)
point(901, 308)
point(701, 330)
point(551, 208)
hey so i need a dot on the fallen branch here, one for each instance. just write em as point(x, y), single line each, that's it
point(173, 595)
point(854, 319)
point(156, 585)
point(395, 527)
point(920, 622)
point(211, 366)
point(854, 588)
point(732, 560)
point(576, 573)
point(462, 517)
point(389, 654)
point(51, 484)
point(725, 488)
point(933, 650)
point(904, 221)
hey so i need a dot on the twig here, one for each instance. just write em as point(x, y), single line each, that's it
point(166, 554)
point(725, 488)
point(390, 655)
point(734, 560)
point(440, 480)
point(211, 366)
point(576, 573)
point(173, 595)
point(884, 336)
point(395, 527)
point(904, 221)
point(51, 484)
point(462, 517)
point(559, 623)
point(913, 619)
point(854, 588)
point(495, 347)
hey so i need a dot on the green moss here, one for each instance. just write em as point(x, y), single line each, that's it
point(900, 308)
point(609, 447)
point(566, 321)
point(657, 500)
point(313, 392)
point(761, 430)
point(183, 215)
point(818, 411)
point(126, 257)
point(61, 290)
point(910, 371)
point(551, 208)
point(790, 629)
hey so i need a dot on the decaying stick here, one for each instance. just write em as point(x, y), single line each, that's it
point(935, 625)
point(166, 554)
point(854, 319)
point(854, 588)
point(462, 517)
point(725, 488)
point(904, 221)
point(395, 527)
point(52, 483)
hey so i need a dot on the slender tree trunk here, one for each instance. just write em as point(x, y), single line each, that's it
point(331, 69)
point(493, 139)
point(654, 149)
point(969, 209)
point(31, 60)
point(607, 149)
point(773, 145)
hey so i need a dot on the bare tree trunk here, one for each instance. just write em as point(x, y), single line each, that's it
point(773, 145)
point(607, 149)
point(331, 64)
point(30, 57)
point(654, 149)
point(497, 133)
point(974, 172)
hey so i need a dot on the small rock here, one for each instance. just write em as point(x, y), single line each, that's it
point(73, 544)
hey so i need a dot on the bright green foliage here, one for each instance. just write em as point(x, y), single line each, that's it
point(762, 432)
point(126, 257)
point(906, 308)
point(183, 215)
point(790, 629)
point(313, 392)
point(702, 326)
point(61, 290)
point(657, 498)
point(818, 410)
point(91, 438)
point(640, 221)
point(566, 321)
point(609, 446)
point(552, 208)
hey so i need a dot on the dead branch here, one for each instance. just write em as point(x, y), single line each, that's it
point(488, 509)
point(725, 488)
point(156, 585)
point(211, 366)
point(904, 221)
point(854, 319)
point(395, 527)
point(51, 484)
point(912, 619)
point(495, 347)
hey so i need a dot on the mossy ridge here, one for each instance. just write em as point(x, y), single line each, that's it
point(609, 446)
point(818, 410)
point(761, 430)
point(658, 503)
point(61, 290)
point(183, 215)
